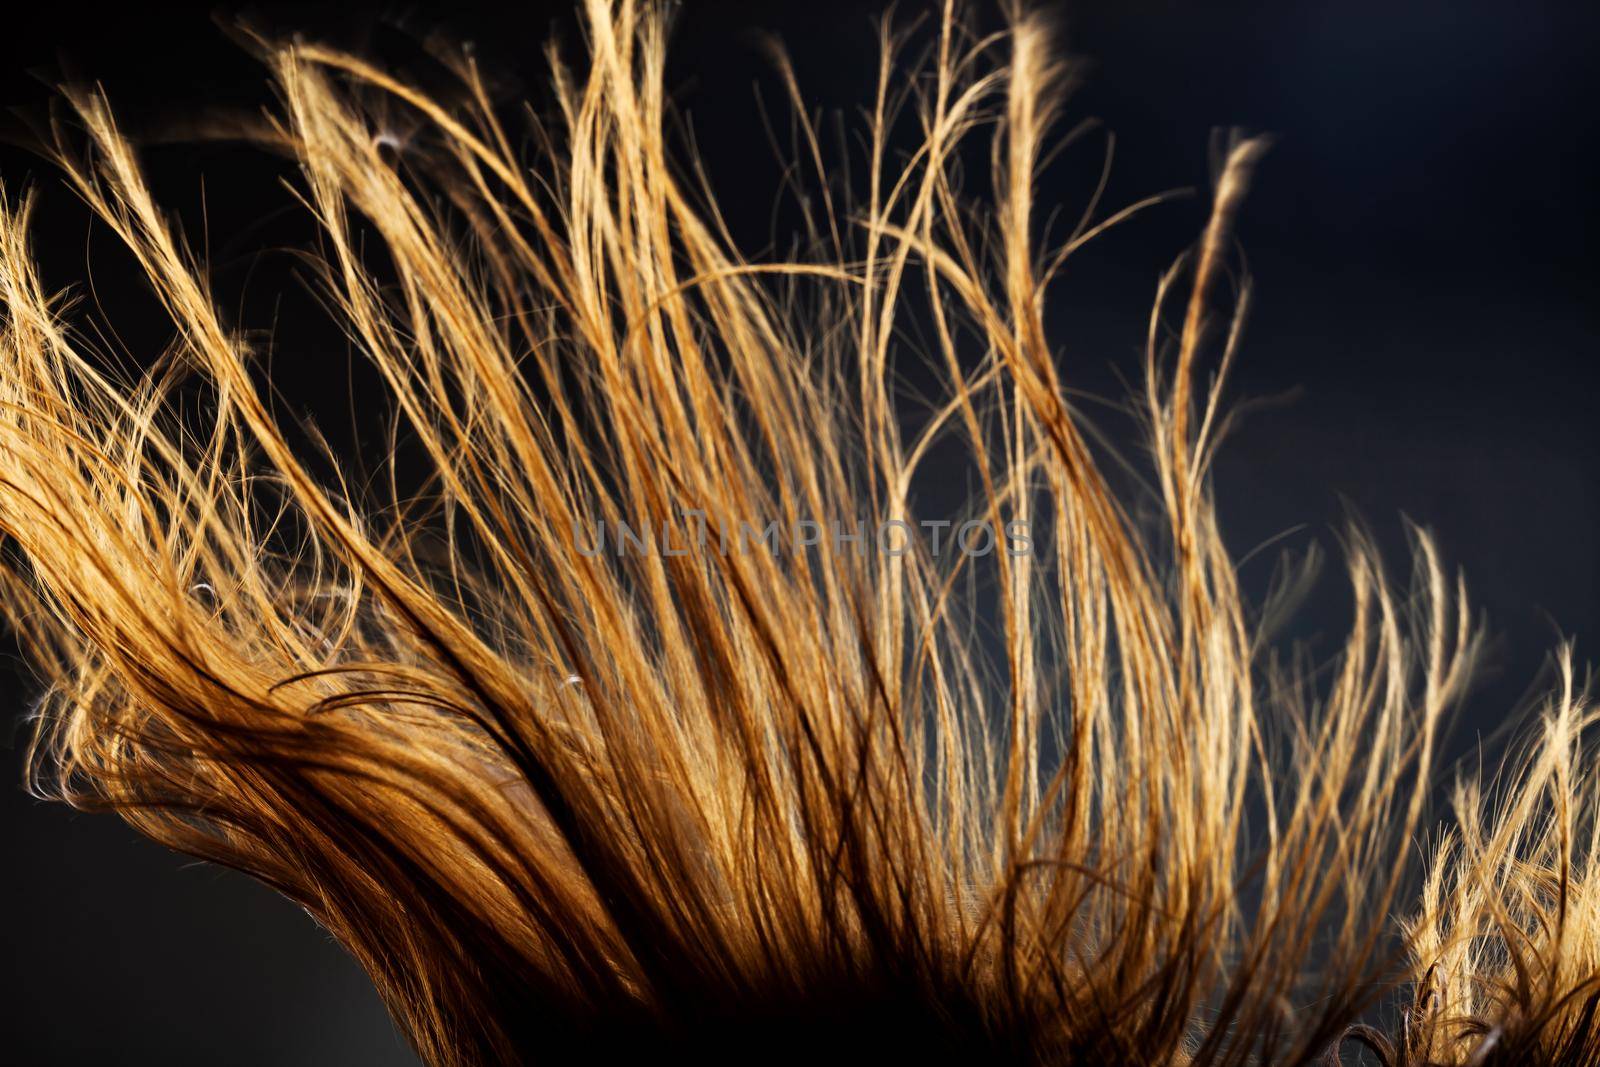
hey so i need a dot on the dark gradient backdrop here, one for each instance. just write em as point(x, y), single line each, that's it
point(1426, 327)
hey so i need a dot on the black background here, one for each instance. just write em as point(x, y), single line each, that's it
point(1422, 241)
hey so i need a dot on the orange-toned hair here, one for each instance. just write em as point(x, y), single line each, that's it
point(733, 799)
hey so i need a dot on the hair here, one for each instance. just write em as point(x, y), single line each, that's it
point(1061, 806)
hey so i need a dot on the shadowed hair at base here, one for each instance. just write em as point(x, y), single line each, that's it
point(1059, 807)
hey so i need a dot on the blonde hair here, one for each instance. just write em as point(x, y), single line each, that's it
point(722, 800)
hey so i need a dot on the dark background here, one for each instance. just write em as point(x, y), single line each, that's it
point(1421, 237)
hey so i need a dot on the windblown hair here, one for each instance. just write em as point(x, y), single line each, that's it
point(1063, 806)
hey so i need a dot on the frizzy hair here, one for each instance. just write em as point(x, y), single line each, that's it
point(725, 802)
